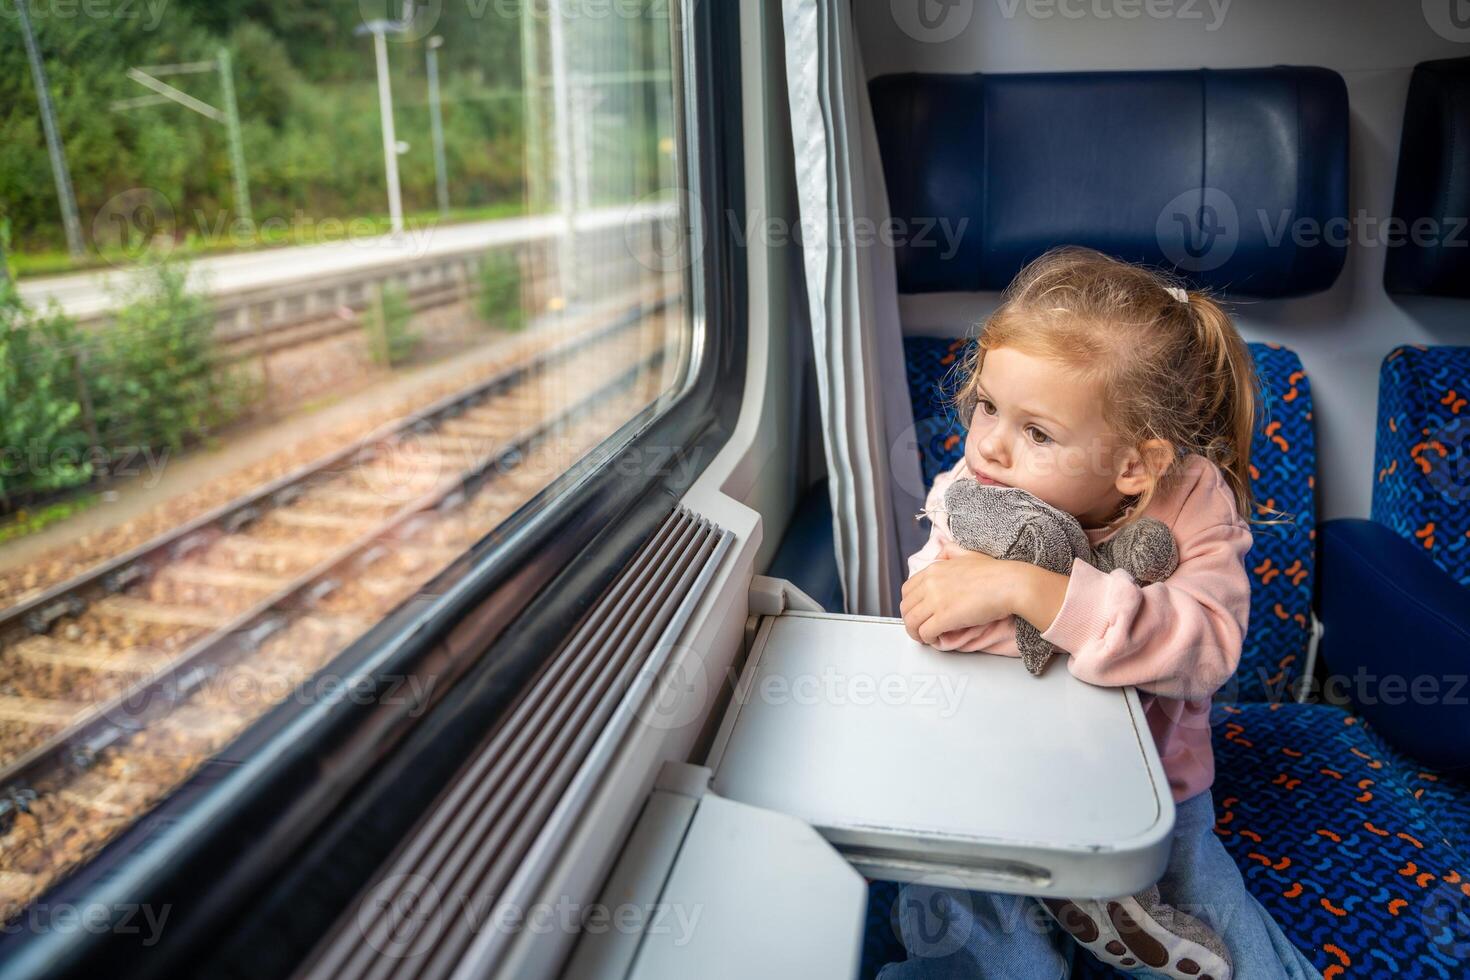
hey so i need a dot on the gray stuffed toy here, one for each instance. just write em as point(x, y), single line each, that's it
point(1006, 522)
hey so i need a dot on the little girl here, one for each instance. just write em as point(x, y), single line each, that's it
point(1110, 393)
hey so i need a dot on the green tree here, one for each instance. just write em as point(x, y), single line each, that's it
point(499, 300)
point(44, 449)
point(157, 377)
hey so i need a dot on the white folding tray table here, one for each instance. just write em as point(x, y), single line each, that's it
point(850, 746)
point(914, 762)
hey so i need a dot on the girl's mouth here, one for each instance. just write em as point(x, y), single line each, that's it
point(987, 481)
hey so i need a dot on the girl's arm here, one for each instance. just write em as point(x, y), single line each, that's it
point(1179, 638)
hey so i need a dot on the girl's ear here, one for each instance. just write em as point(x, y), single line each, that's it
point(1143, 467)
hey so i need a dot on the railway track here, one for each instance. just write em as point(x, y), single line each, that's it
point(117, 684)
point(315, 327)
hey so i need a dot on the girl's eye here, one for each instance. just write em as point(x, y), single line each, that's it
point(1037, 436)
point(987, 406)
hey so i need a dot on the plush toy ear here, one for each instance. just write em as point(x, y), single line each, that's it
point(1006, 522)
point(1145, 549)
point(977, 521)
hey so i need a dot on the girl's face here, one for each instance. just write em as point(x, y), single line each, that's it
point(1039, 426)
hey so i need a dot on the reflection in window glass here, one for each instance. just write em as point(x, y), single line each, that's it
point(301, 301)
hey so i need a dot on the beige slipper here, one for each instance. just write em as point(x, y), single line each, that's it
point(1140, 932)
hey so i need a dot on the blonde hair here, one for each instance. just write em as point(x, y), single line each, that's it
point(1170, 369)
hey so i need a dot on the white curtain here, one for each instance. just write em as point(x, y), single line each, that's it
point(872, 458)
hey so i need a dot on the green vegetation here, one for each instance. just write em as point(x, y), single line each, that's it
point(387, 326)
point(40, 425)
point(154, 374)
point(150, 382)
point(24, 522)
point(499, 302)
point(306, 90)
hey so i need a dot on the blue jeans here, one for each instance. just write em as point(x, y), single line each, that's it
point(953, 933)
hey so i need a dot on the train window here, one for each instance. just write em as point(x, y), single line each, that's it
point(301, 303)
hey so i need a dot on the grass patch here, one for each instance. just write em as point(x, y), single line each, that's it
point(25, 522)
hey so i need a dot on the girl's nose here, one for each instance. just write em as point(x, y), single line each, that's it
point(993, 447)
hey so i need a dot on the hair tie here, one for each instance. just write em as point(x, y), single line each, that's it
point(1177, 293)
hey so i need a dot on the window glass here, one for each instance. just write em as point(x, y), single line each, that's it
point(302, 299)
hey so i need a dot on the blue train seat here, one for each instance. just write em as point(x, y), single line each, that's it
point(1403, 653)
point(1422, 483)
point(1430, 191)
point(1421, 488)
point(1414, 554)
point(1344, 839)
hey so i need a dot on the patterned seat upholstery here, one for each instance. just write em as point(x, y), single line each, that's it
point(1330, 838)
point(1282, 559)
point(1422, 458)
point(1334, 841)
point(1284, 459)
point(933, 365)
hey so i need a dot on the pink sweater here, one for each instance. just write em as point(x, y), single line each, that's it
point(1177, 641)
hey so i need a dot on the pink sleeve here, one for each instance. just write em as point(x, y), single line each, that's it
point(1179, 638)
point(938, 524)
point(996, 636)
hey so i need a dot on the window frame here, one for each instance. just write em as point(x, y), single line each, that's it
point(312, 797)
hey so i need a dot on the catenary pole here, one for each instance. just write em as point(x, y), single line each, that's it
point(59, 169)
point(436, 126)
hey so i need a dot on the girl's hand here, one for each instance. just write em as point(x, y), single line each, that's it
point(966, 588)
point(963, 588)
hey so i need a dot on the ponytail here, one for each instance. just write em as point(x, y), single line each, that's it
point(1229, 394)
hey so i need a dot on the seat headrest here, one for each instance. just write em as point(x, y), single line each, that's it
point(1221, 176)
point(1431, 253)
